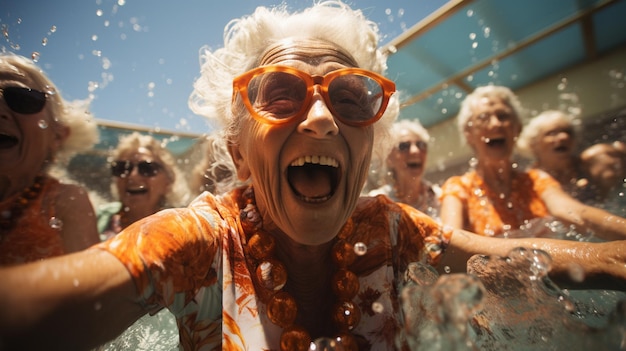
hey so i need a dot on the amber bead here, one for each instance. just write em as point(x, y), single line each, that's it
point(282, 309)
point(271, 274)
point(343, 254)
point(345, 284)
point(348, 342)
point(346, 315)
point(295, 339)
point(261, 245)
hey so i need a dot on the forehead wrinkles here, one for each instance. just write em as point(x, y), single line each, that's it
point(312, 51)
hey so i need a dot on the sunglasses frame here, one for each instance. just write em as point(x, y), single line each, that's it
point(19, 92)
point(416, 143)
point(156, 168)
point(240, 87)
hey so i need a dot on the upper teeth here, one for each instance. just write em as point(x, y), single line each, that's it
point(321, 160)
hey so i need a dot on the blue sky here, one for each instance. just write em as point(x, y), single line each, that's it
point(138, 58)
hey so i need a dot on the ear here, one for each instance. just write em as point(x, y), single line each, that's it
point(241, 164)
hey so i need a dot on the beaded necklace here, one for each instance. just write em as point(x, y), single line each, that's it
point(270, 276)
point(10, 215)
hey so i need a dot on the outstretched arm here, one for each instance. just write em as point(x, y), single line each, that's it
point(70, 302)
point(603, 264)
point(567, 209)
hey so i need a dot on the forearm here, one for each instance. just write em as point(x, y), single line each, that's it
point(599, 265)
point(604, 224)
point(62, 303)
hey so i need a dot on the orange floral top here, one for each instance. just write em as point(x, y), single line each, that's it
point(486, 213)
point(33, 237)
point(192, 261)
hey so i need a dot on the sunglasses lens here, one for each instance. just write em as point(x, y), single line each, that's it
point(356, 99)
point(404, 146)
point(148, 169)
point(23, 100)
point(120, 168)
point(277, 95)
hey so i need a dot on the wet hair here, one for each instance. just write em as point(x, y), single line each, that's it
point(73, 115)
point(179, 194)
point(246, 39)
point(216, 171)
point(502, 92)
point(538, 124)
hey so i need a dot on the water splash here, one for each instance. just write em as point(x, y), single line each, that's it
point(508, 303)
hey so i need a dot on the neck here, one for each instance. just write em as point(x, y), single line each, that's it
point(497, 177)
point(563, 170)
point(409, 189)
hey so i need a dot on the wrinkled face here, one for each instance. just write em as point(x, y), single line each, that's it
point(408, 156)
point(27, 140)
point(307, 174)
point(492, 130)
point(553, 142)
point(144, 186)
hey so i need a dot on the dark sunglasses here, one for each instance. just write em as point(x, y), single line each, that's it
point(24, 100)
point(406, 145)
point(145, 168)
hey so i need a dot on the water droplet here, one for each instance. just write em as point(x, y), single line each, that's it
point(56, 223)
point(378, 307)
point(35, 56)
point(447, 269)
point(99, 12)
point(42, 124)
point(360, 248)
point(44, 41)
point(53, 29)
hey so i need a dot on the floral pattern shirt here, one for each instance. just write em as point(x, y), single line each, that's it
point(192, 261)
point(34, 236)
point(488, 213)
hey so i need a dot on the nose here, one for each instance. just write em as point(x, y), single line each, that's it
point(319, 121)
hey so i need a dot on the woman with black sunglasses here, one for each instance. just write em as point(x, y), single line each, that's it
point(145, 181)
point(39, 216)
point(294, 256)
point(402, 175)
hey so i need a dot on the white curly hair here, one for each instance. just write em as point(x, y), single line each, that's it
point(247, 38)
point(74, 115)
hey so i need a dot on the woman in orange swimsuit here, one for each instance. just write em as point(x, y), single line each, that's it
point(39, 216)
point(496, 198)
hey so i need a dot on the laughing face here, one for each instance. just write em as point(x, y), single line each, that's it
point(307, 174)
point(492, 130)
point(408, 156)
point(28, 139)
point(554, 142)
point(145, 183)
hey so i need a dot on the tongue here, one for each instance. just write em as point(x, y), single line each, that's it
point(310, 181)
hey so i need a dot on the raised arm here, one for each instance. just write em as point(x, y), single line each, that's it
point(452, 213)
point(569, 210)
point(603, 264)
point(72, 302)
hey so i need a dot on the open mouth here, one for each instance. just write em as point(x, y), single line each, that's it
point(314, 179)
point(137, 191)
point(414, 165)
point(7, 141)
point(495, 142)
point(561, 149)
